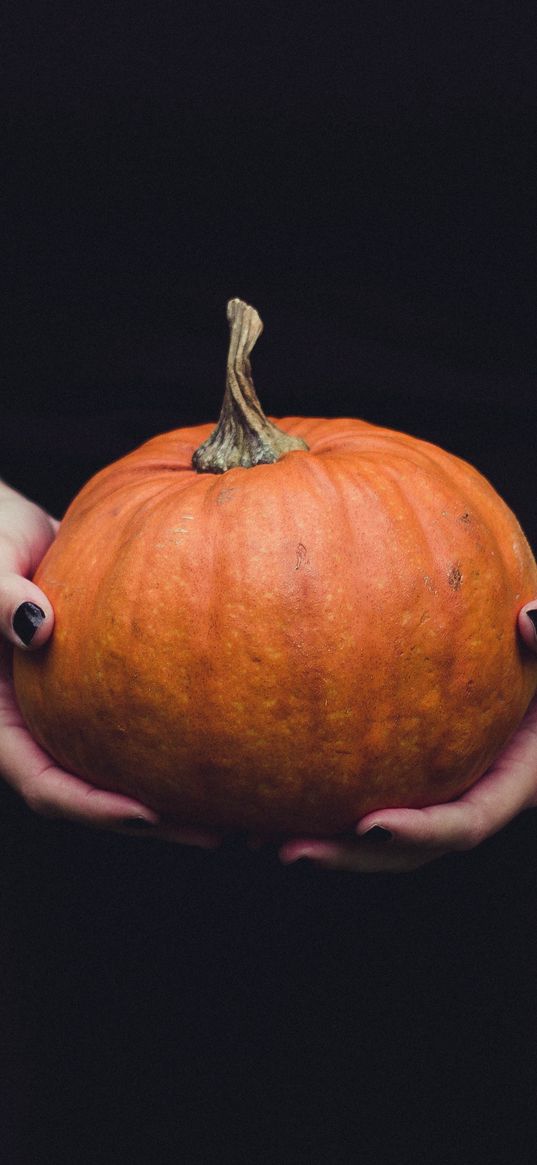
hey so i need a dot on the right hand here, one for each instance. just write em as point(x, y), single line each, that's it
point(27, 620)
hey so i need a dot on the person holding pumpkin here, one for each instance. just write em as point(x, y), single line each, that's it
point(389, 840)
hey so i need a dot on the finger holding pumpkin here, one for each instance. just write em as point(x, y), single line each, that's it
point(26, 532)
point(377, 856)
point(403, 839)
point(527, 625)
point(51, 792)
point(27, 621)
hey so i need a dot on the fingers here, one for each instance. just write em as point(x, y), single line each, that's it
point(507, 789)
point(360, 856)
point(51, 792)
point(395, 840)
point(26, 531)
point(459, 825)
point(26, 616)
point(27, 620)
point(527, 624)
point(45, 787)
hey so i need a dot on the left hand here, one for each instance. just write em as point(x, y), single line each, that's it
point(414, 837)
point(26, 532)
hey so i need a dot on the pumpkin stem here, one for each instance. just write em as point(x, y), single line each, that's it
point(244, 435)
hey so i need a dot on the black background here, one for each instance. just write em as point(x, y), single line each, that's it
point(365, 175)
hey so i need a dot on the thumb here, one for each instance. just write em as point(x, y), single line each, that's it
point(527, 624)
point(26, 616)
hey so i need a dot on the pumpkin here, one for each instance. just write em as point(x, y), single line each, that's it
point(280, 627)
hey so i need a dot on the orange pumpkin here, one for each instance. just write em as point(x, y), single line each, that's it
point(286, 627)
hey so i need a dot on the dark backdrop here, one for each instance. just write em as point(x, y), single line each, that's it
point(364, 174)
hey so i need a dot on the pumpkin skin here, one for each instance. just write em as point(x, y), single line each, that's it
point(287, 647)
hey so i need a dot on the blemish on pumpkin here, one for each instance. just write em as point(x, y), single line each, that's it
point(301, 556)
point(455, 578)
point(225, 495)
point(465, 518)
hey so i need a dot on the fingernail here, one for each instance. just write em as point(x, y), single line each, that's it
point(378, 833)
point(137, 823)
point(533, 616)
point(26, 620)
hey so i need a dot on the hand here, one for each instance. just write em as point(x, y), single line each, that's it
point(395, 840)
point(27, 620)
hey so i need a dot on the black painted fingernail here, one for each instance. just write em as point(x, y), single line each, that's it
point(533, 616)
point(378, 833)
point(27, 618)
point(137, 823)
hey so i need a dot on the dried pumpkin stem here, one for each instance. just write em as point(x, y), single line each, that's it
point(244, 435)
